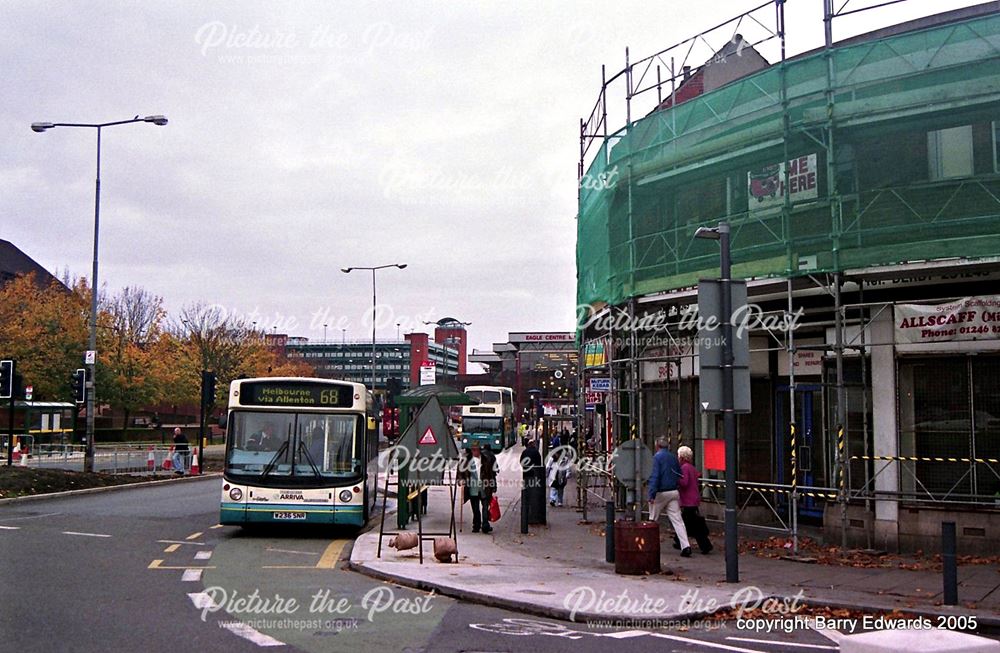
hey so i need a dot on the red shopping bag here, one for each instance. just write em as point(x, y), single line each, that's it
point(494, 509)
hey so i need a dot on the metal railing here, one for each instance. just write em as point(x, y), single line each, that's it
point(120, 458)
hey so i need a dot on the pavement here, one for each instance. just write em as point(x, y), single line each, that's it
point(558, 570)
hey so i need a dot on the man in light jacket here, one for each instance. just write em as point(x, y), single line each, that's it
point(663, 492)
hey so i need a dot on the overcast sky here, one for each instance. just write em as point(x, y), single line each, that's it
point(307, 137)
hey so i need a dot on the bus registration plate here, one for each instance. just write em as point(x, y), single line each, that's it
point(289, 515)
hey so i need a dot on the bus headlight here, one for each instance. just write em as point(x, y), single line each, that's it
point(236, 494)
point(345, 495)
point(465, 440)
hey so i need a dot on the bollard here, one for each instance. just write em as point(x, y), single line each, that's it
point(948, 560)
point(524, 511)
point(609, 531)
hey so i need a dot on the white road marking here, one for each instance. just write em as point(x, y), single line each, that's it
point(695, 642)
point(48, 514)
point(202, 600)
point(10, 528)
point(625, 634)
point(191, 575)
point(779, 643)
point(246, 632)
point(179, 542)
point(305, 553)
point(203, 555)
point(85, 534)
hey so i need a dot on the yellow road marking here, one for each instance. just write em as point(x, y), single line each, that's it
point(217, 526)
point(331, 555)
point(194, 536)
point(171, 548)
point(158, 564)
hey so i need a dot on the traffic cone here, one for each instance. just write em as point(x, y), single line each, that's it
point(168, 461)
point(151, 461)
point(195, 469)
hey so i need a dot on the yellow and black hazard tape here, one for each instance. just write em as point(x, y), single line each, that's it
point(923, 459)
point(840, 457)
point(795, 460)
point(771, 490)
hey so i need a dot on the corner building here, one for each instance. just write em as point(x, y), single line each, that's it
point(861, 181)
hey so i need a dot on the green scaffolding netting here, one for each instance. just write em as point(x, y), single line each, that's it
point(901, 108)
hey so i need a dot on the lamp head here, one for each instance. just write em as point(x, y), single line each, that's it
point(41, 126)
point(708, 233)
point(401, 265)
point(156, 120)
point(346, 270)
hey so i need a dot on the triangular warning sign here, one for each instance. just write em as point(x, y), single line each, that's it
point(427, 437)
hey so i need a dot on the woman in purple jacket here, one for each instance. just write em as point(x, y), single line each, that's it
point(690, 496)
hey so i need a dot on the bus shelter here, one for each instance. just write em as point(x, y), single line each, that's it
point(41, 424)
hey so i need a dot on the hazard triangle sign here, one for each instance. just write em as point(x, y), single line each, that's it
point(427, 437)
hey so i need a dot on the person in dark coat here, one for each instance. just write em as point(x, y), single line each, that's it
point(478, 476)
point(181, 450)
point(532, 470)
point(690, 497)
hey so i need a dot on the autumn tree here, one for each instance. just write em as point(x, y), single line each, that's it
point(208, 339)
point(133, 360)
point(45, 331)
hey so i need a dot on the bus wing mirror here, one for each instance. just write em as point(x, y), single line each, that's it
point(223, 421)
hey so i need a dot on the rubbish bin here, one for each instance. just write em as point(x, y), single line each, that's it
point(637, 547)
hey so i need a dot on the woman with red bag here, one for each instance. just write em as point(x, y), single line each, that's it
point(478, 475)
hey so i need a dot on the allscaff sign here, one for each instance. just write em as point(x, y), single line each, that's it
point(972, 318)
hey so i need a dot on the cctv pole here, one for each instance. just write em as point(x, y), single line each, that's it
point(728, 416)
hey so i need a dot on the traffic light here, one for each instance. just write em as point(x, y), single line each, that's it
point(79, 383)
point(6, 379)
point(207, 388)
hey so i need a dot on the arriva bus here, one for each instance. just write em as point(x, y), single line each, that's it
point(297, 450)
point(490, 423)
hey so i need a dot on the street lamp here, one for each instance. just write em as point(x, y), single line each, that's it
point(721, 234)
point(39, 127)
point(374, 304)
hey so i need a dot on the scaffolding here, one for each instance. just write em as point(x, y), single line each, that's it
point(694, 159)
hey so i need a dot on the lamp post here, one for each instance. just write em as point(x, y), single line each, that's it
point(374, 304)
point(91, 360)
point(721, 234)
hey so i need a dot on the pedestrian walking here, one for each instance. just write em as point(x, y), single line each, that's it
point(478, 475)
point(180, 452)
point(690, 496)
point(557, 472)
point(663, 494)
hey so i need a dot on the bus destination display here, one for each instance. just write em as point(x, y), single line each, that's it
point(296, 395)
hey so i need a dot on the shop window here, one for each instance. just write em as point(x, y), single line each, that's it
point(950, 408)
point(949, 153)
